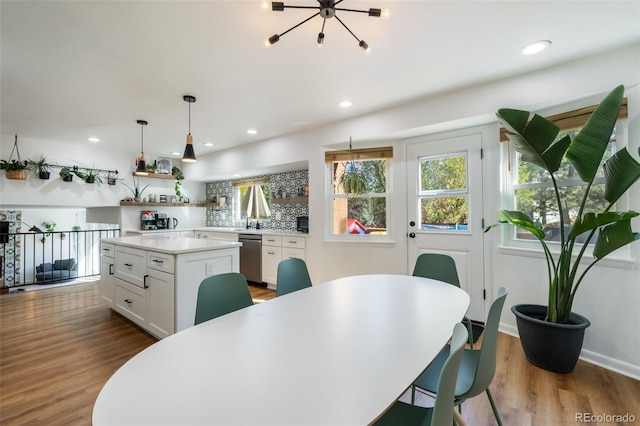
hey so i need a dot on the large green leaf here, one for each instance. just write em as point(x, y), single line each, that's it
point(593, 221)
point(614, 236)
point(523, 221)
point(534, 139)
point(587, 149)
point(620, 171)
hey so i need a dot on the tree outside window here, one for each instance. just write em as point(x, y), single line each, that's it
point(359, 193)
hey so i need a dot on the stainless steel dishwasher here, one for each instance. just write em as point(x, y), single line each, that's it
point(251, 257)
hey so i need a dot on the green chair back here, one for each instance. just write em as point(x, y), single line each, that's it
point(438, 267)
point(477, 367)
point(292, 276)
point(221, 294)
point(442, 411)
point(486, 358)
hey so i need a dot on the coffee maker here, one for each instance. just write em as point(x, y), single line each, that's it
point(161, 221)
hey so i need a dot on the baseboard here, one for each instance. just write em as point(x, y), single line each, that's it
point(591, 357)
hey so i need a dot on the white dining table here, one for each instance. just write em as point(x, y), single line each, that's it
point(337, 353)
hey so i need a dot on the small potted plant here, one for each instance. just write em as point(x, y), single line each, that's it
point(40, 166)
point(65, 174)
point(14, 169)
point(49, 228)
point(135, 189)
point(92, 176)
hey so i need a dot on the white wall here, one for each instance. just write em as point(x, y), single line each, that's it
point(610, 297)
point(614, 338)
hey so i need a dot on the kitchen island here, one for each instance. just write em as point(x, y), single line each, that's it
point(154, 280)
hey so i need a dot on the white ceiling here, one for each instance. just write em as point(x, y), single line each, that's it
point(76, 69)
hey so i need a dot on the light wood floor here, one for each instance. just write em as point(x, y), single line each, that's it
point(59, 346)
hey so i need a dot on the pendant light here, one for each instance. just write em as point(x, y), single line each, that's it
point(141, 170)
point(189, 154)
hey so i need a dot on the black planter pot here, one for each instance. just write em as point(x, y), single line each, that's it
point(554, 347)
point(44, 175)
point(90, 179)
point(68, 178)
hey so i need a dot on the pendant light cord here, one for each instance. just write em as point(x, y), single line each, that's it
point(142, 138)
point(189, 117)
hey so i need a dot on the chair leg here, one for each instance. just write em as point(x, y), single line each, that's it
point(470, 329)
point(493, 407)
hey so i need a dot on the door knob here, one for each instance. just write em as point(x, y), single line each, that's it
point(412, 235)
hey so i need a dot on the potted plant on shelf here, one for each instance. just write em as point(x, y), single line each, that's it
point(40, 166)
point(552, 335)
point(135, 189)
point(65, 174)
point(14, 169)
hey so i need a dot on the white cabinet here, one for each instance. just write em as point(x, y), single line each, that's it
point(145, 289)
point(107, 273)
point(271, 256)
point(155, 288)
point(276, 248)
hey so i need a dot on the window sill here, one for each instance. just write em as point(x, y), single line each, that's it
point(354, 240)
point(611, 261)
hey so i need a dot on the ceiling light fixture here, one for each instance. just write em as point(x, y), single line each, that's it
point(189, 154)
point(252, 131)
point(95, 140)
point(326, 9)
point(536, 47)
point(141, 170)
point(345, 104)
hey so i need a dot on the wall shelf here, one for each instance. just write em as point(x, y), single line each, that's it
point(290, 200)
point(147, 204)
point(155, 176)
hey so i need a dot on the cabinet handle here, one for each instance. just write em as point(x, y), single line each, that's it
point(129, 265)
point(158, 261)
point(128, 301)
point(293, 242)
point(144, 281)
point(111, 269)
point(271, 252)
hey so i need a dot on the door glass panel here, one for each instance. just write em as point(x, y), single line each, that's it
point(446, 213)
point(443, 173)
point(443, 193)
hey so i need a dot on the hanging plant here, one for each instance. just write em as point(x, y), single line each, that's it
point(353, 179)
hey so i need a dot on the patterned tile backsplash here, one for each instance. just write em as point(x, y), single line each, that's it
point(290, 183)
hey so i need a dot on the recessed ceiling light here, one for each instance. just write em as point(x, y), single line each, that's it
point(175, 153)
point(94, 140)
point(252, 131)
point(536, 47)
point(345, 104)
point(207, 144)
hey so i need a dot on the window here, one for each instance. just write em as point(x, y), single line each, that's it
point(530, 188)
point(444, 192)
point(254, 199)
point(358, 195)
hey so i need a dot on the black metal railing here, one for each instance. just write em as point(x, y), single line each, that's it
point(50, 257)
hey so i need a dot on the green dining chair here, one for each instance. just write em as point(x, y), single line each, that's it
point(477, 367)
point(441, 413)
point(292, 276)
point(221, 294)
point(440, 267)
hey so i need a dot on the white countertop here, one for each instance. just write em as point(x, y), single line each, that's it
point(170, 244)
point(222, 229)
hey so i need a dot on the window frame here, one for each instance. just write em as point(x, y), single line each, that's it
point(358, 155)
point(508, 172)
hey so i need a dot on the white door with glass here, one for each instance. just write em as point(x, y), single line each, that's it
point(444, 184)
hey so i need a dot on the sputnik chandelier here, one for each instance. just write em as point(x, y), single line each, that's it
point(326, 9)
